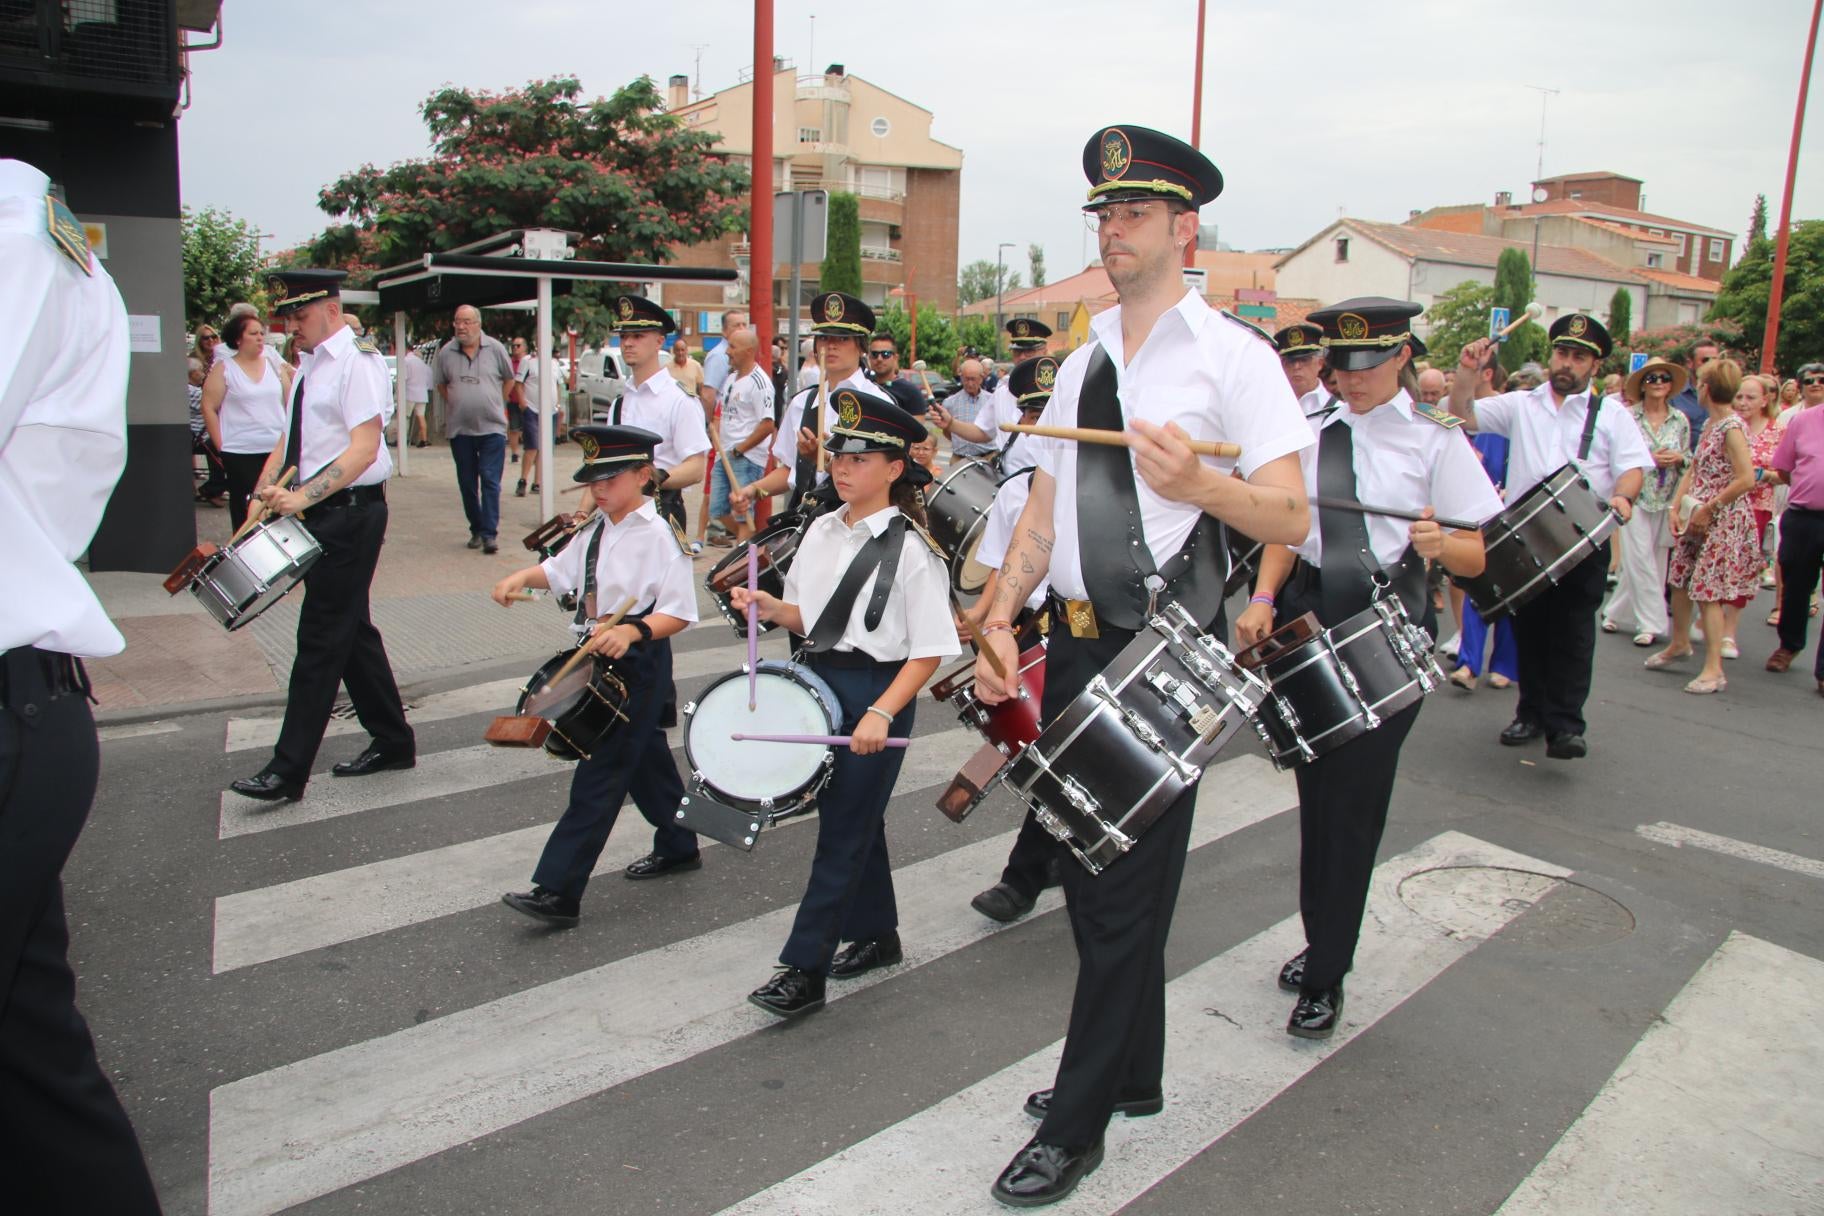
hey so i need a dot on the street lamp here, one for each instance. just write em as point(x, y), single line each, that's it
point(1000, 285)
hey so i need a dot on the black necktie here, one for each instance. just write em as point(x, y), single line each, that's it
point(1111, 544)
point(294, 442)
point(1343, 539)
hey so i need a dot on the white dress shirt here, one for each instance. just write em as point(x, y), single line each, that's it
point(916, 623)
point(343, 387)
point(417, 378)
point(746, 403)
point(1215, 379)
point(785, 443)
point(63, 425)
point(659, 404)
point(997, 533)
point(1316, 400)
point(639, 557)
point(1542, 436)
point(1406, 462)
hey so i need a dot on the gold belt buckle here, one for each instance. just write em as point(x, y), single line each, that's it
point(1080, 615)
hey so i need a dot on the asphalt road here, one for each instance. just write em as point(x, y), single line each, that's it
point(334, 1014)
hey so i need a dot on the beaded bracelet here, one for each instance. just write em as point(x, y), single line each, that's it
point(875, 709)
point(997, 627)
point(1262, 598)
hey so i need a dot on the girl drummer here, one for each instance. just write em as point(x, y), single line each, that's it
point(1384, 448)
point(875, 648)
point(636, 556)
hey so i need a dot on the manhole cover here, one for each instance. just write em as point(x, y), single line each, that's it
point(1476, 902)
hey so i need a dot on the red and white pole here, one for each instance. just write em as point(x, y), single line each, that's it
point(1770, 339)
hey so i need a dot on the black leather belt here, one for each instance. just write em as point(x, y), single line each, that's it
point(25, 670)
point(352, 496)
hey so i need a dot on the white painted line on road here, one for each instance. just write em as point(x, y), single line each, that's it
point(1227, 1056)
point(1678, 837)
point(135, 730)
point(1716, 1110)
point(309, 1128)
point(274, 922)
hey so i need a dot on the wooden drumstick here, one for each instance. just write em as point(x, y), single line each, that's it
point(1349, 504)
point(256, 513)
point(820, 740)
point(1080, 434)
point(583, 650)
point(823, 411)
point(982, 648)
point(1532, 312)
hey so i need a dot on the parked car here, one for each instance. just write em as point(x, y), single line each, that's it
point(602, 375)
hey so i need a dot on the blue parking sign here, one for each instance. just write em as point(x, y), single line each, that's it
point(1497, 321)
point(1636, 361)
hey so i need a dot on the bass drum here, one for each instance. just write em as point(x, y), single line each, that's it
point(770, 781)
point(593, 704)
point(956, 508)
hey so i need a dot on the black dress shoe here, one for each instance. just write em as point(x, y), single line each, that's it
point(859, 958)
point(1316, 1014)
point(1520, 732)
point(1566, 747)
point(544, 905)
point(652, 865)
point(791, 993)
point(1003, 903)
point(1044, 1173)
point(1292, 975)
point(1038, 1105)
point(268, 787)
point(474, 540)
point(374, 760)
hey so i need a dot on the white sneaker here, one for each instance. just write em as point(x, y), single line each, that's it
point(1729, 649)
point(1450, 647)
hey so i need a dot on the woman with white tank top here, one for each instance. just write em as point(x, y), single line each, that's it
point(244, 408)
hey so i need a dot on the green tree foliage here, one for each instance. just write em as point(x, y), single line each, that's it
point(631, 179)
point(1621, 316)
point(936, 336)
point(1675, 342)
point(1035, 264)
point(1514, 291)
point(1743, 297)
point(977, 281)
point(841, 270)
point(221, 265)
point(1757, 223)
point(1457, 318)
point(980, 333)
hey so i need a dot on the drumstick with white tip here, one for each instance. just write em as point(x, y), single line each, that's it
point(1082, 434)
point(1532, 312)
point(819, 740)
point(257, 510)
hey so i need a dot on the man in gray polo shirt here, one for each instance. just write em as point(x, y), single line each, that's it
point(472, 371)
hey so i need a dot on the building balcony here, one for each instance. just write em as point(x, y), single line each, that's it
point(819, 88)
point(879, 253)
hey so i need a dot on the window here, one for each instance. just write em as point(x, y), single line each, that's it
point(1656, 232)
point(1342, 249)
point(1576, 194)
point(1063, 322)
point(1680, 238)
point(1654, 260)
point(1716, 249)
point(810, 135)
point(881, 127)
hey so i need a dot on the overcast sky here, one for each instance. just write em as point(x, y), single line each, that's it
point(1310, 110)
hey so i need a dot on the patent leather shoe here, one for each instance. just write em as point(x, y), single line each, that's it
point(652, 865)
point(859, 958)
point(1292, 975)
point(1038, 1105)
point(1002, 903)
point(540, 904)
point(374, 760)
point(1041, 1174)
point(1316, 1014)
point(268, 787)
point(1520, 732)
point(791, 993)
point(1567, 747)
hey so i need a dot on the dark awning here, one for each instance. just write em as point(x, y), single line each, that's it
point(449, 279)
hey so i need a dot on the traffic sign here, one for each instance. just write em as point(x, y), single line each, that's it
point(1255, 295)
point(1637, 360)
point(1497, 321)
point(1262, 312)
point(1197, 279)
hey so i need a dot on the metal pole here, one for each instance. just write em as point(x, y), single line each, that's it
point(797, 252)
point(760, 208)
point(1190, 250)
point(402, 414)
point(547, 397)
point(912, 303)
point(1000, 283)
point(1770, 339)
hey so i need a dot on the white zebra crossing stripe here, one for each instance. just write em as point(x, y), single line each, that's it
point(1716, 1110)
point(309, 1128)
point(1227, 1055)
point(278, 921)
point(1678, 837)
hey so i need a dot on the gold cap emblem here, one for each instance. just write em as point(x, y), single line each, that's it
point(848, 409)
point(1046, 374)
point(626, 308)
point(1117, 154)
point(1579, 326)
point(275, 291)
point(588, 444)
point(832, 307)
point(1021, 329)
point(1352, 327)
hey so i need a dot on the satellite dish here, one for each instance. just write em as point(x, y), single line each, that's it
point(1539, 195)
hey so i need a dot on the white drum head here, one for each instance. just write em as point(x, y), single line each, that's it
point(746, 768)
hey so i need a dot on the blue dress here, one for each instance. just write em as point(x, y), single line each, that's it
point(1506, 659)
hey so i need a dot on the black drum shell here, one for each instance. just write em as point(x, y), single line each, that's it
point(1307, 680)
point(1536, 541)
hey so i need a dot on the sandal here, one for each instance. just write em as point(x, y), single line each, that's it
point(1702, 687)
point(1773, 618)
point(1464, 678)
point(1730, 649)
point(1662, 659)
point(1499, 681)
point(1643, 639)
point(1609, 626)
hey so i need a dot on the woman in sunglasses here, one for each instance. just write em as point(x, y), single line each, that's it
point(1646, 539)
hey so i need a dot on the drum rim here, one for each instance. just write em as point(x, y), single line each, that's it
point(805, 678)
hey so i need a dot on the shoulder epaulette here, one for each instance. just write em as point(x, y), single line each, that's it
point(366, 345)
point(677, 534)
point(67, 233)
point(1248, 325)
point(936, 548)
point(1443, 418)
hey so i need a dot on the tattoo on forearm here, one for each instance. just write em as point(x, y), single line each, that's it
point(1039, 539)
point(320, 486)
point(1026, 566)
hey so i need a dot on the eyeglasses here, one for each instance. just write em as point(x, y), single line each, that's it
point(1656, 378)
point(882, 354)
point(1812, 380)
point(1125, 215)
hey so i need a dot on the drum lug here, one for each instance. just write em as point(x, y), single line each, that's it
point(689, 709)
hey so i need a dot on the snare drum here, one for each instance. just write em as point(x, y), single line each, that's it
point(593, 704)
point(1136, 738)
point(250, 575)
point(1008, 727)
point(957, 511)
point(1537, 541)
point(768, 781)
point(778, 545)
point(1333, 685)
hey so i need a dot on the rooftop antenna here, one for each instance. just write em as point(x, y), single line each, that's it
point(1545, 96)
point(811, 61)
point(697, 91)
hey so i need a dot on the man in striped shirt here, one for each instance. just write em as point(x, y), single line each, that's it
point(746, 429)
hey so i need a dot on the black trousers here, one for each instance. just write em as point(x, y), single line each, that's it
point(1029, 862)
point(338, 644)
point(1115, 1046)
point(1801, 560)
point(65, 1143)
point(243, 474)
point(1556, 637)
point(850, 893)
point(636, 760)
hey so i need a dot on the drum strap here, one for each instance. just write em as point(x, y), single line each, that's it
point(1589, 424)
point(804, 468)
point(880, 554)
point(1111, 543)
point(294, 442)
point(585, 603)
point(1345, 554)
point(614, 412)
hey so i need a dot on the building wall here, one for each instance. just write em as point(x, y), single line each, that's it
point(1314, 272)
point(1666, 308)
point(928, 239)
point(1615, 191)
point(1558, 293)
point(1572, 232)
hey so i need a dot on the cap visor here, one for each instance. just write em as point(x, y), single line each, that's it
point(1360, 358)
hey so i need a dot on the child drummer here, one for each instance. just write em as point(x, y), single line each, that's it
point(871, 598)
point(627, 553)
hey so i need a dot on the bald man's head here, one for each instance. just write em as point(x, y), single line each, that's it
point(742, 346)
point(1431, 386)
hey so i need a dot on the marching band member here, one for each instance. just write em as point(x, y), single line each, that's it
point(658, 403)
point(1099, 520)
point(1301, 357)
point(629, 552)
point(1027, 339)
point(841, 326)
point(871, 598)
point(1382, 448)
point(1560, 421)
point(338, 401)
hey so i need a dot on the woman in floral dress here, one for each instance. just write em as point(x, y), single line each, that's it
point(1716, 558)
